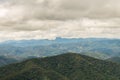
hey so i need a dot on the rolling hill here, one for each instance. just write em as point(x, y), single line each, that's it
point(69, 66)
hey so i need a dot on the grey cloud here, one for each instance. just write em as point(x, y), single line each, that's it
point(75, 9)
point(69, 9)
point(40, 19)
point(71, 28)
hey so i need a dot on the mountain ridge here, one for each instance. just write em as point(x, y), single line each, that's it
point(69, 66)
point(6, 60)
point(114, 59)
point(94, 47)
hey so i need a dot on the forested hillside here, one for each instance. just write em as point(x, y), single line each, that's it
point(68, 66)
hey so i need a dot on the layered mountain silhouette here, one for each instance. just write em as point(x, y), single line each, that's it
point(100, 48)
point(69, 66)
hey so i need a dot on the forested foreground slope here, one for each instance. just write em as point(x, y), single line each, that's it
point(69, 66)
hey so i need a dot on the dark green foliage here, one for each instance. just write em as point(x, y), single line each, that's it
point(68, 66)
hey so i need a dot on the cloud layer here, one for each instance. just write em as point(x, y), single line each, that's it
point(47, 19)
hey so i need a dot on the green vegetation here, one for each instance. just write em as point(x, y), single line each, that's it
point(68, 66)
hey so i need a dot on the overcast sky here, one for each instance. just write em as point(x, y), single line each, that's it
point(48, 19)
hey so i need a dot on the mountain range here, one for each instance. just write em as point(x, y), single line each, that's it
point(100, 48)
point(114, 59)
point(69, 66)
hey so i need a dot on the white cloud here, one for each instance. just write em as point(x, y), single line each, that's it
point(65, 9)
point(50, 29)
point(40, 19)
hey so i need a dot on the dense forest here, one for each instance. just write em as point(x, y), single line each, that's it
point(69, 66)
